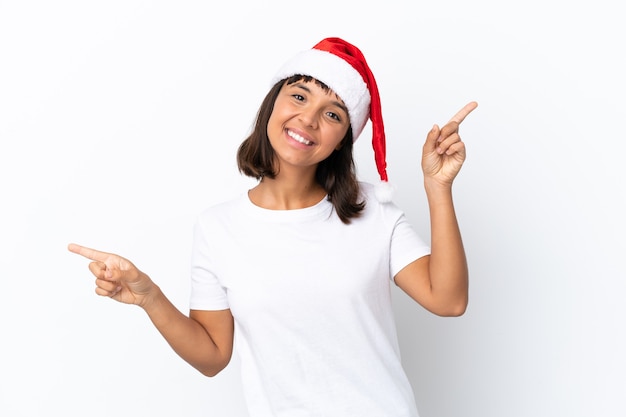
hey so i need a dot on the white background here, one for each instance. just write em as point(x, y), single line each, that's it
point(119, 122)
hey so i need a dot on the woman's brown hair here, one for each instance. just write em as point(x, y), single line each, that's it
point(336, 174)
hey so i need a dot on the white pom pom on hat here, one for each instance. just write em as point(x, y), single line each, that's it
point(343, 68)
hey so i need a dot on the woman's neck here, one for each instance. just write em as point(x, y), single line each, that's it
point(286, 193)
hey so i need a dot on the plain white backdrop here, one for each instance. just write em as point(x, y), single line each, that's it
point(119, 123)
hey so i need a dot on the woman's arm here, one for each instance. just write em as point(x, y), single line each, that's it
point(204, 339)
point(439, 282)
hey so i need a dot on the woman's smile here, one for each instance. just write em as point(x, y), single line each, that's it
point(299, 138)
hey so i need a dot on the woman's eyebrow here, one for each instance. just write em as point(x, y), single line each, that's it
point(334, 102)
point(341, 106)
point(303, 87)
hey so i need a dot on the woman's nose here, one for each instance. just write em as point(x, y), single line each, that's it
point(310, 117)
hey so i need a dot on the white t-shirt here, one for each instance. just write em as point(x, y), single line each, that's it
point(311, 299)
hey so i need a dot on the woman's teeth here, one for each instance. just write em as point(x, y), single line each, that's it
point(299, 138)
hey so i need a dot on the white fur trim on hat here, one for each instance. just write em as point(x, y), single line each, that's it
point(337, 74)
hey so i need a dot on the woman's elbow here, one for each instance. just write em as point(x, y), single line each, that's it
point(212, 369)
point(455, 312)
point(455, 308)
point(210, 373)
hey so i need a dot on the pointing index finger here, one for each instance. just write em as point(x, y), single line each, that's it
point(88, 253)
point(462, 114)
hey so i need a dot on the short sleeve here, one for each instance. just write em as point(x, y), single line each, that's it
point(206, 291)
point(406, 245)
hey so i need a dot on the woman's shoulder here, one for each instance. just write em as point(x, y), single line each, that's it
point(366, 188)
point(219, 211)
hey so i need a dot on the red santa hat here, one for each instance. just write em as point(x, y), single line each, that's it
point(343, 68)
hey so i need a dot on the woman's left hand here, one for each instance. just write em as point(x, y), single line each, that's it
point(444, 151)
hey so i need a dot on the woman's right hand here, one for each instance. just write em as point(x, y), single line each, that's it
point(117, 277)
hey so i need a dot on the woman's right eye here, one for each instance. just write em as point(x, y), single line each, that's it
point(298, 97)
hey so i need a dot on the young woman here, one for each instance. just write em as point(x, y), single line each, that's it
point(298, 270)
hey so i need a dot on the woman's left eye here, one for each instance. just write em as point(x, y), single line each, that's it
point(334, 116)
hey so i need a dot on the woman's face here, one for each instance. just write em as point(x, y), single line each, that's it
point(306, 125)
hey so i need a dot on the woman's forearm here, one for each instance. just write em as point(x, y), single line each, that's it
point(188, 337)
point(448, 264)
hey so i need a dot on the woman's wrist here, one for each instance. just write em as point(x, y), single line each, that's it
point(152, 298)
point(435, 188)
